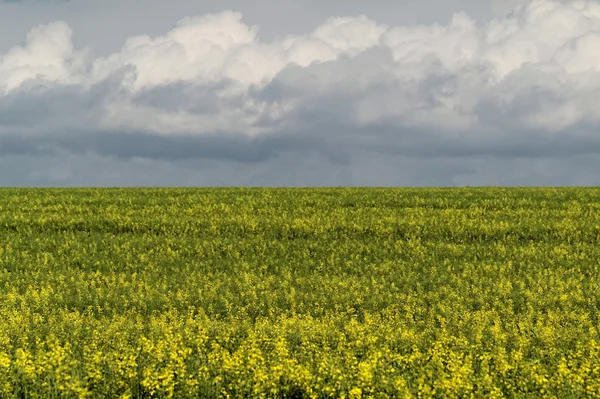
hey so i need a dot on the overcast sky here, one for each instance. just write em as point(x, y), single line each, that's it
point(299, 93)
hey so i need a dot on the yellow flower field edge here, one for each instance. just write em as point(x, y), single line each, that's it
point(299, 293)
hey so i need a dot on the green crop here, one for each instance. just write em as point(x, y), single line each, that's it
point(299, 293)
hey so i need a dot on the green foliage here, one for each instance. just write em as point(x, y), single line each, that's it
point(299, 293)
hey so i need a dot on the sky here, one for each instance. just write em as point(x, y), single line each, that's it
point(299, 93)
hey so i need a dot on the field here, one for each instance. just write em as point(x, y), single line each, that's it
point(299, 293)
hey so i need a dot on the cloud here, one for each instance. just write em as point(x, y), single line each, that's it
point(211, 90)
point(47, 54)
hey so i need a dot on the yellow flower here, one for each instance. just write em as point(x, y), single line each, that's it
point(355, 393)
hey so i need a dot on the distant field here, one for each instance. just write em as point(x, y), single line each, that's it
point(299, 293)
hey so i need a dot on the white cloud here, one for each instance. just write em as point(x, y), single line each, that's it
point(418, 47)
point(195, 50)
point(351, 84)
point(48, 54)
point(350, 35)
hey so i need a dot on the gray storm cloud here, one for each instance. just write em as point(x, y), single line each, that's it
point(350, 91)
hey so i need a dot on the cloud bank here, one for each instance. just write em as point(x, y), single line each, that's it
point(352, 102)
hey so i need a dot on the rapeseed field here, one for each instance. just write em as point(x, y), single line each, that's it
point(299, 293)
